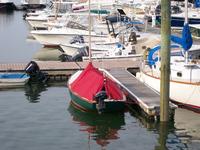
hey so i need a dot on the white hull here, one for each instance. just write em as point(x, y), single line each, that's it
point(52, 39)
point(7, 83)
point(37, 23)
point(63, 38)
point(181, 92)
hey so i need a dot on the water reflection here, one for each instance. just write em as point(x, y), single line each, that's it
point(6, 18)
point(168, 137)
point(100, 128)
point(33, 91)
point(48, 54)
point(6, 11)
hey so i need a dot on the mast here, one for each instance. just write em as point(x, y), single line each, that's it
point(90, 54)
point(186, 21)
point(186, 11)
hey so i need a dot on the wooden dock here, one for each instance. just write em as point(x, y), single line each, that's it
point(62, 70)
point(145, 97)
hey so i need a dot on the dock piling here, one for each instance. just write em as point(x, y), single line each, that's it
point(165, 60)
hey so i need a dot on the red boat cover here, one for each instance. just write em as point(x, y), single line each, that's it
point(91, 81)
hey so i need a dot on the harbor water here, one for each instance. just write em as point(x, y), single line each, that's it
point(40, 116)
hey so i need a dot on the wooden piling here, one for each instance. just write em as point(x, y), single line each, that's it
point(165, 59)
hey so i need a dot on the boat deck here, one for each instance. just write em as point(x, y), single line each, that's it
point(145, 97)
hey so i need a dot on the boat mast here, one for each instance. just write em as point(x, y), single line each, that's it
point(89, 33)
point(186, 21)
point(186, 11)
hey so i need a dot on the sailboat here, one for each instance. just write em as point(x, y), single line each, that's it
point(92, 89)
point(184, 72)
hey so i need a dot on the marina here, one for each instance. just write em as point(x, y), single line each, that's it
point(42, 115)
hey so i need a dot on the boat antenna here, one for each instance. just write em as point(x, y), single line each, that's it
point(90, 59)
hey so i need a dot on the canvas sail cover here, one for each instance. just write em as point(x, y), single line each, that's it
point(197, 3)
point(186, 40)
point(91, 81)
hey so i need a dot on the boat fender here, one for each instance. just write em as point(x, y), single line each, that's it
point(100, 97)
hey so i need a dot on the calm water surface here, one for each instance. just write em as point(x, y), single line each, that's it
point(40, 117)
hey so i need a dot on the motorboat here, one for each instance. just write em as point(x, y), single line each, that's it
point(9, 80)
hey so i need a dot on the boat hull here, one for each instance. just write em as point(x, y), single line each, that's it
point(38, 24)
point(57, 39)
point(179, 21)
point(8, 82)
point(180, 92)
point(111, 106)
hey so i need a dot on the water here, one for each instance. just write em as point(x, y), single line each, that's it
point(13, 39)
point(40, 117)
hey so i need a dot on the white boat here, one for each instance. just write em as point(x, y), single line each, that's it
point(40, 18)
point(95, 4)
point(184, 81)
point(8, 80)
point(56, 36)
point(128, 46)
point(184, 73)
point(40, 21)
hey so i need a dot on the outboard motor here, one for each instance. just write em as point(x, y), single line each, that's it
point(33, 70)
point(77, 39)
point(78, 57)
point(100, 97)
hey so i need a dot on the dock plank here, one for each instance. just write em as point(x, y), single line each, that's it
point(148, 99)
